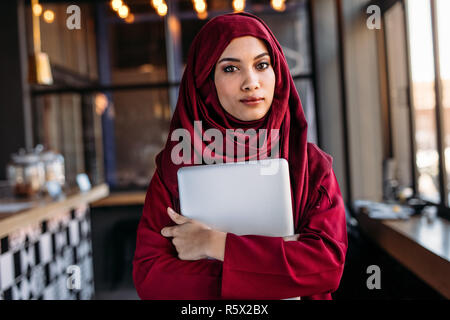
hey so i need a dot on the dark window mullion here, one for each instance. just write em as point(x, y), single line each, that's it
point(439, 108)
point(312, 53)
point(387, 107)
point(412, 121)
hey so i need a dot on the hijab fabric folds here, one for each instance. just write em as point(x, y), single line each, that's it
point(311, 177)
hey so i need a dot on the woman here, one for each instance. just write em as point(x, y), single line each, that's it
point(234, 60)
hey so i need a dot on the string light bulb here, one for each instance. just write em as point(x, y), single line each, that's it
point(238, 5)
point(116, 4)
point(278, 5)
point(200, 8)
point(202, 15)
point(162, 9)
point(49, 16)
point(130, 18)
point(123, 11)
point(157, 3)
point(37, 9)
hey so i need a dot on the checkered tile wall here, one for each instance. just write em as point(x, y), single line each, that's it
point(34, 260)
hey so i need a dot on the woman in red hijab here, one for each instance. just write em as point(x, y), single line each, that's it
point(237, 77)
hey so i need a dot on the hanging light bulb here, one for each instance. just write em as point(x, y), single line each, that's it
point(123, 11)
point(116, 4)
point(238, 5)
point(162, 9)
point(202, 15)
point(39, 68)
point(49, 16)
point(200, 6)
point(37, 9)
point(130, 18)
point(278, 5)
point(156, 3)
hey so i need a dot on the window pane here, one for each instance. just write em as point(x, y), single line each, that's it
point(398, 93)
point(141, 117)
point(70, 124)
point(291, 28)
point(190, 28)
point(443, 7)
point(141, 122)
point(306, 92)
point(137, 55)
point(422, 69)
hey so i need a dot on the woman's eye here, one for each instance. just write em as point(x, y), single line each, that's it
point(263, 65)
point(229, 68)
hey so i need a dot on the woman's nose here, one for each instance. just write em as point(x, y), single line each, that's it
point(251, 82)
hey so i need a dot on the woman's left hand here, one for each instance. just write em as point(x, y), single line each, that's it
point(190, 237)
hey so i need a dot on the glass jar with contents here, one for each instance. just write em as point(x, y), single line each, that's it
point(26, 174)
point(54, 167)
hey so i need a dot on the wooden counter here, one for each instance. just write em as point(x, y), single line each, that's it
point(422, 245)
point(45, 208)
point(43, 246)
point(121, 199)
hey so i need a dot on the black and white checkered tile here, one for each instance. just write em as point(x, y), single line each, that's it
point(34, 260)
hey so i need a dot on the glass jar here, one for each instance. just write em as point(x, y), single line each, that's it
point(26, 174)
point(54, 167)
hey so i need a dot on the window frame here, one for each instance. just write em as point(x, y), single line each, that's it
point(443, 205)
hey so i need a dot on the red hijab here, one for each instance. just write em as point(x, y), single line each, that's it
point(198, 101)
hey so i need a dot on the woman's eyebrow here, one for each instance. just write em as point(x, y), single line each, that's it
point(237, 60)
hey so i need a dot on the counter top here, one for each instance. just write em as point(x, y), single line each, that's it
point(421, 244)
point(123, 198)
point(44, 208)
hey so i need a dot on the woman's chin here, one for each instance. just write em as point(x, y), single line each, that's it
point(248, 113)
point(252, 115)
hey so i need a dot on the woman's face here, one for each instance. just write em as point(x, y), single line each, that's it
point(244, 78)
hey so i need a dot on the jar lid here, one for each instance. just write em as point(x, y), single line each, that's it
point(25, 158)
point(47, 156)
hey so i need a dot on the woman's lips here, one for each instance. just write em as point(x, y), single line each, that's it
point(252, 101)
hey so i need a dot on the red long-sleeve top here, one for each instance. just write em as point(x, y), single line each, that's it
point(254, 267)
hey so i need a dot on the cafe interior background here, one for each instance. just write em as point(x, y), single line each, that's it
point(86, 97)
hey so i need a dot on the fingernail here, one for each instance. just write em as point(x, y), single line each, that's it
point(170, 210)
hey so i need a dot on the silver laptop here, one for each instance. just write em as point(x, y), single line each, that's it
point(252, 197)
point(243, 198)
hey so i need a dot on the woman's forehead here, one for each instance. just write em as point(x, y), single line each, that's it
point(244, 46)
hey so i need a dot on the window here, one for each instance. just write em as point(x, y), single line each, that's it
point(424, 100)
point(141, 116)
point(140, 65)
point(397, 114)
point(67, 121)
point(443, 24)
point(417, 58)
